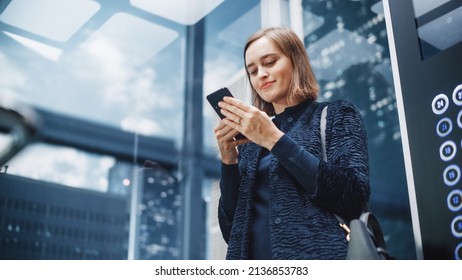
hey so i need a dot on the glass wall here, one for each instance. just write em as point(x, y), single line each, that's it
point(348, 47)
point(117, 63)
point(108, 81)
point(227, 29)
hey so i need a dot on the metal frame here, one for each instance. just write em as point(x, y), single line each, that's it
point(192, 165)
point(403, 129)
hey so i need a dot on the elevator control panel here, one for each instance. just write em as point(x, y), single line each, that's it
point(425, 42)
point(448, 128)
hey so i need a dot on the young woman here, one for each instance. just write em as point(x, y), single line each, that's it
point(278, 195)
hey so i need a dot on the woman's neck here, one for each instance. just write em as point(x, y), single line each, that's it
point(280, 107)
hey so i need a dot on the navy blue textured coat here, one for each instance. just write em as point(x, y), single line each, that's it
point(301, 222)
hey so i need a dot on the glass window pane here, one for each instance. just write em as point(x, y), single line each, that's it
point(348, 48)
point(227, 30)
point(108, 63)
point(63, 165)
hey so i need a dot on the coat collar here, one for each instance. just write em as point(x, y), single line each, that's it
point(291, 112)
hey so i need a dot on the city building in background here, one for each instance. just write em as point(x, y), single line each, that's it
point(40, 220)
point(116, 83)
point(160, 218)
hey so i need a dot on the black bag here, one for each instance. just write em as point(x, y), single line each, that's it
point(366, 239)
point(364, 235)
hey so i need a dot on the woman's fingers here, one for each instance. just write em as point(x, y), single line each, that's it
point(234, 108)
point(226, 143)
point(223, 131)
point(226, 132)
point(236, 112)
point(228, 128)
point(244, 107)
point(251, 122)
point(231, 116)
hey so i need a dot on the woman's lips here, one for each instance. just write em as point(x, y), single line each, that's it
point(266, 85)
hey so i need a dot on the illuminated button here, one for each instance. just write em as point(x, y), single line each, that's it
point(459, 119)
point(444, 127)
point(456, 226)
point(451, 175)
point(440, 104)
point(448, 150)
point(457, 95)
point(458, 252)
point(455, 200)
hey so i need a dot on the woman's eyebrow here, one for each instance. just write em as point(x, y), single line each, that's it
point(250, 65)
point(261, 58)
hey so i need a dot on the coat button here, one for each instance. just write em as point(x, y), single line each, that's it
point(277, 221)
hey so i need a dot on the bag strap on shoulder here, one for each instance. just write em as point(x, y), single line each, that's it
point(322, 128)
point(369, 221)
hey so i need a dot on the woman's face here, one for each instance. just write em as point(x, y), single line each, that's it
point(270, 72)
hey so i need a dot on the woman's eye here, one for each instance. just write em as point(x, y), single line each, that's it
point(271, 62)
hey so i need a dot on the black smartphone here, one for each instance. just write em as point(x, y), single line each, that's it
point(218, 96)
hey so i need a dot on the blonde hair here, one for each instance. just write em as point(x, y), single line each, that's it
point(303, 85)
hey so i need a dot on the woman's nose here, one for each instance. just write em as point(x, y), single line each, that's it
point(263, 74)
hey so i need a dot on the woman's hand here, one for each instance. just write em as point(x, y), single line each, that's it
point(227, 143)
point(253, 123)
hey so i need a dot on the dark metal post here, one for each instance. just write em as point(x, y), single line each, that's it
point(191, 166)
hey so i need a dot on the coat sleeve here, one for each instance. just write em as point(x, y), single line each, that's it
point(343, 180)
point(229, 186)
